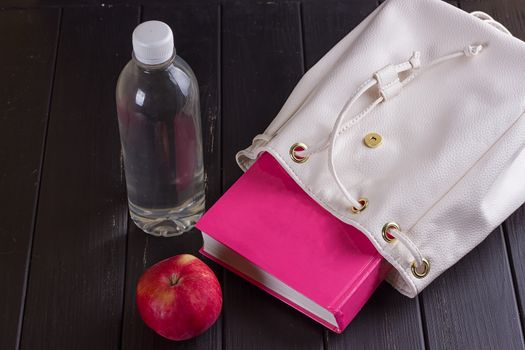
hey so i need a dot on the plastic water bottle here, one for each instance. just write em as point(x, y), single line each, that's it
point(160, 131)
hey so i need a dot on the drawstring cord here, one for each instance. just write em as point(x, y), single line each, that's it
point(409, 245)
point(389, 84)
point(486, 18)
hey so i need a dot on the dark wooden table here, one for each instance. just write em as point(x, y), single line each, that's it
point(69, 256)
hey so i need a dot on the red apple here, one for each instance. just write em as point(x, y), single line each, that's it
point(180, 297)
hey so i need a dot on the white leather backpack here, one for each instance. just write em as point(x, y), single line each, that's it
point(411, 129)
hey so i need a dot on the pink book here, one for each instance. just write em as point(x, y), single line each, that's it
point(266, 229)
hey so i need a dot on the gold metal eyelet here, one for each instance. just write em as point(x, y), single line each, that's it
point(364, 204)
point(297, 147)
point(386, 236)
point(426, 269)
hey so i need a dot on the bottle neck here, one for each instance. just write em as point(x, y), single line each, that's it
point(153, 67)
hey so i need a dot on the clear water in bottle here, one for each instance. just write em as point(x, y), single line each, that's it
point(159, 120)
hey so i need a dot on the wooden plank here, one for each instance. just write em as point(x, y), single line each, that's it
point(472, 305)
point(40, 3)
point(389, 320)
point(26, 65)
point(326, 23)
point(511, 13)
point(262, 62)
point(196, 34)
point(452, 2)
point(75, 290)
point(514, 229)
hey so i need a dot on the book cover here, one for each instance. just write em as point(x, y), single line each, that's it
point(266, 229)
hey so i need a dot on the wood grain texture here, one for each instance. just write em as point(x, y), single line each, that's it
point(27, 72)
point(325, 23)
point(472, 305)
point(72, 3)
point(76, 283)
point(511, 13)
point(262, 62)
point(148, 3)
point(43, 3)
point(388, 320)
point(195, 30)
point(514, 229)
point(452, 2)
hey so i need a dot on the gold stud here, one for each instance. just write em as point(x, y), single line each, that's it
point(364, 204)
point(386, 236)
point(426, 269)
point(372, 140)
point(297, 147)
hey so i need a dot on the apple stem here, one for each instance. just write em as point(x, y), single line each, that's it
point(174, 280)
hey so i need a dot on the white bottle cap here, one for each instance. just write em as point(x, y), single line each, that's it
point(153, 42)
